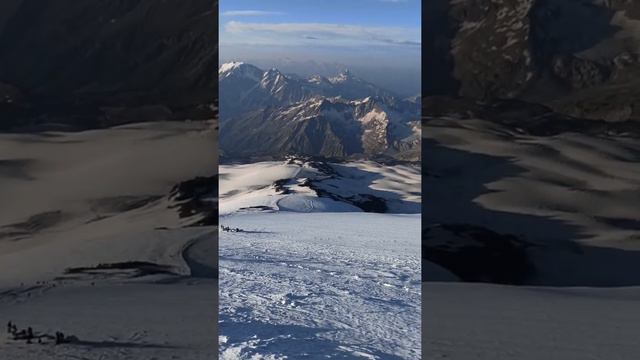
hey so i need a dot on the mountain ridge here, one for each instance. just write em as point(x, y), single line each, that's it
point(91, 64)
point(274, 114)
point(248, 87)
point(538, 51)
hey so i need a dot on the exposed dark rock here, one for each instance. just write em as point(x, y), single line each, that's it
point(118, 204)
point(557, 52)
point(197, 198)
point(366, 202)
point(139, 268)
point(258, 208)
point(279, 186)
point(369, 203)
point(267, 113)
point(524, 117)
point(33, 224)
point(477, 254)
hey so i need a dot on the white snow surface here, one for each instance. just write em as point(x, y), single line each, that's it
point(241, 69)
point(494, 322)
point(529, 185)
point(313, 277)
point(320, 286)
point(243, 186)
point(226, 67)
point(66, 203)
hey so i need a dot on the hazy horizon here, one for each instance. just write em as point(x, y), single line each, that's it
point(378, 40)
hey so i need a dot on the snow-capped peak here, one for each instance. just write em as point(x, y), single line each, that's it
point(343, 76)
point(273, 80)
point(272, 73)
point(362, 101)
point(227, 67)
point(317, 79)
point(239, 68)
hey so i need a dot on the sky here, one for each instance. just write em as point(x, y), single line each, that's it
point(375, 39)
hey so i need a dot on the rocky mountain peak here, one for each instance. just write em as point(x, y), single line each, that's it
point(315, 116)
point(344, 76)
point(239, 69)
point(567, 54)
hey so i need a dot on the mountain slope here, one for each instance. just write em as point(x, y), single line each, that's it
point(319, 260)
point(268, 113)
point(88, 63)
point(330, 127)
point(540, 51)
point(248, 88)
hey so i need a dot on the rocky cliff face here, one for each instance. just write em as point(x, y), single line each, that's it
point(580, 57)
point(269, 114)
point(328, 127)
point(504, 74)
point(89, 63)
point(247, 88)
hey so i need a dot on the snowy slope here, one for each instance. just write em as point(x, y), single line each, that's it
point(94, 243)
point(320, 285)
point(306, 273)
point(120, 320)
point(492, 322)
point(323, 126)
point(557, 212)
point(268, 113)
point(572, 197)
point(302, 185)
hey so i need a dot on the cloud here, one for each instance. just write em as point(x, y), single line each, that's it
point(250, 13)
point(329, 32)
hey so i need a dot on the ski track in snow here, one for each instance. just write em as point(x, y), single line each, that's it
point(320, 285)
